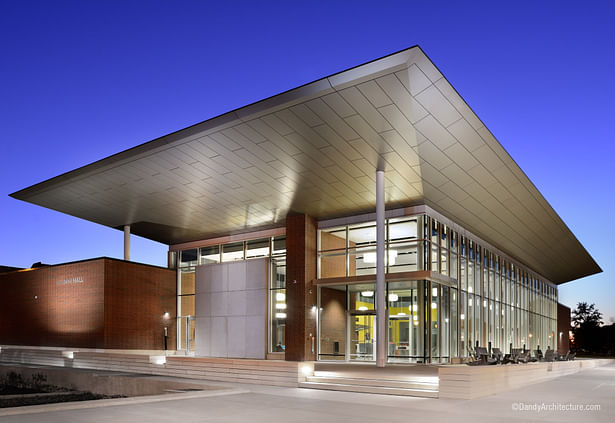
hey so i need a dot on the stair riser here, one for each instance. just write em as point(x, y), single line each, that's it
point(370, 390)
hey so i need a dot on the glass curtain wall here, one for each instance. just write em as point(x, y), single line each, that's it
point(419, 323)
point(491, 301)
point(500, 304)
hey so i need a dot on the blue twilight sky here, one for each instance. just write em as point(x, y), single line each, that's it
point(82, 80)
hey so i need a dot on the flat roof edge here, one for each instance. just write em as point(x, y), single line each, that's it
point(333, 82)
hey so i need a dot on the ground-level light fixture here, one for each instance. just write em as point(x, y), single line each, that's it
point(307, 370)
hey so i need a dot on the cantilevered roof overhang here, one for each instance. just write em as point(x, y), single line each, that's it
point(315, 149)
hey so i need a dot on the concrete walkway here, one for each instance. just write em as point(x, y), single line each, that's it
point(290, 405)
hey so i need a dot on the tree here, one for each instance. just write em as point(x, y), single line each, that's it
point(586, 320)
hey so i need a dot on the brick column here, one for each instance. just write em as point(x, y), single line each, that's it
point(300, 294)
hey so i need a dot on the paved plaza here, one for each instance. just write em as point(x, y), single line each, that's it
point(554, 400)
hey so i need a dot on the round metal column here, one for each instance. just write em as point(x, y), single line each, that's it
point(127, 242)
point(381, 332)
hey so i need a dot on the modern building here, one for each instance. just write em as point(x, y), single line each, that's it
point(367, 216)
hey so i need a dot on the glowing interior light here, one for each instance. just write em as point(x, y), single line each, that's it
point(434, 305)
point(484, 303)
point(470, 289)
point(401, 314)
point(280, 315)
point(392, 257)
point(371, 257)
point(462, 316)
point(434, 292)
point(393, 297)
point(362, 308)
point(280, 296)
point(416, 323)
point(367, 293)
point(413, 307)
point(446, 320)
point(313, 309)
point(280, 306)
point(470, 302)
point(415, 318)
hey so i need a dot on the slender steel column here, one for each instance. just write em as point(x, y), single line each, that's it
point(381, 332)
point(127, 242)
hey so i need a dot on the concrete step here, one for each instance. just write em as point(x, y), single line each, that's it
point(388, 383)
point(370, 389)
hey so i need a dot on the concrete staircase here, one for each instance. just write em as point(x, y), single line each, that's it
point(411, 388)
point(244, 371)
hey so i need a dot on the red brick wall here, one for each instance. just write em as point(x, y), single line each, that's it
point(100, 303)
point(300, 292)
point(136, 297)
point(563, 326)
point(332, 321)
point(37, 307)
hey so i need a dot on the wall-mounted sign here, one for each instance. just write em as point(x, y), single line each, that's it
point(71, 281)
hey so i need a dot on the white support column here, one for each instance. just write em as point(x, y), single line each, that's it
point(381, 331)
point(127, 242)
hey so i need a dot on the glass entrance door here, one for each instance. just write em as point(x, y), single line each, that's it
point(187, 326)
point(362, 336)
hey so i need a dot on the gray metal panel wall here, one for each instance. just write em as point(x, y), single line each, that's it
point(231, 309)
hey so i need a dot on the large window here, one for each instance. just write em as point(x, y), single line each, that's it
point(277, 296)
point(351, 250)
